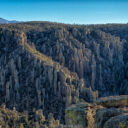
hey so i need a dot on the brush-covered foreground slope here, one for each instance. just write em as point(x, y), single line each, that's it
point(50, 66)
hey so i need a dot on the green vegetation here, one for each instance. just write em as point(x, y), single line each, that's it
point(11, 118)
point(124, 125)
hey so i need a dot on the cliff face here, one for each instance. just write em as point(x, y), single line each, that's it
point(95, 56)
point(29, 79)
point(51, 66)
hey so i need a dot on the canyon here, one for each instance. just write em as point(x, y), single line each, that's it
point(52, 67)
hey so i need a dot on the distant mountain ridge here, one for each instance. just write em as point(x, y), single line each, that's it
point(4, 21)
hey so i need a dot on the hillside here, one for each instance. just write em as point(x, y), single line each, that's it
point(50, 66)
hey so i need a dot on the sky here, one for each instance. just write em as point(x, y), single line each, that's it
point(66, 11)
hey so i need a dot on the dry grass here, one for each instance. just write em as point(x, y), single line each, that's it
point(48, 60)
point(38, 55)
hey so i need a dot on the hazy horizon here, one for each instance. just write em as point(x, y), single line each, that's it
point(66, 11)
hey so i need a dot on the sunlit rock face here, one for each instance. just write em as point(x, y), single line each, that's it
point(80, 115)
point(108, 112)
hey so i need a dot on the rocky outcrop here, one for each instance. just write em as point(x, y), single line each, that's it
point(113, 101)
point(81, 115)
point(84, 115)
